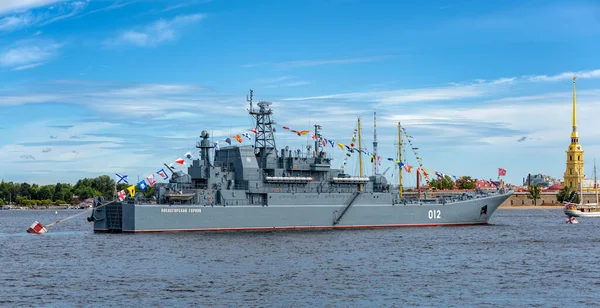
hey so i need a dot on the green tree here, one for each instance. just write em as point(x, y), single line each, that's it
point(84, 192)
point(63, 192)
point(20, 200)
point(1, 201)
point(122, 186)
point(447, 182)
point(465, 182)
point(24, 190)
point(105, 185)
point(435, 183)
point(149, 192)
point(535, 193)
point(46, 192)
point(567, 194)
point(33, 192)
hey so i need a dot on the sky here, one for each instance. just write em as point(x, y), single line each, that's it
point(102, 87)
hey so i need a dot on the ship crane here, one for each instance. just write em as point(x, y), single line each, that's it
point(386, 170)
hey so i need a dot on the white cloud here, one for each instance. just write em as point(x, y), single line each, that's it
point(306, 63)
point(28, 54)
point(416, 95)
point(283, 81)
point(7, 6)
point(68, 9)
point(477, 89)
point(16, 22)
point(25, 15)
point(156, 33)
point(565, 76)
point(26, 67)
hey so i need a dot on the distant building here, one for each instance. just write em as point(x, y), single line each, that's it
point(541, 180)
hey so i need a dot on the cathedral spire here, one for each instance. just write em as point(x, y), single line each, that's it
point(574, 135)
point(574, 175)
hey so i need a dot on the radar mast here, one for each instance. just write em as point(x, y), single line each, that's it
point(264, 141)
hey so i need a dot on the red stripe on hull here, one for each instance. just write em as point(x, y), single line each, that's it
point(301, 228)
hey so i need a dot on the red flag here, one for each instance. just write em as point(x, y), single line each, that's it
point(501, 172)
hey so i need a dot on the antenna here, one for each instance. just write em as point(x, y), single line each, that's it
point(249, 99)
point(375, 142)
point(317, 138)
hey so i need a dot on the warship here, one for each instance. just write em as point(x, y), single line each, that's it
point(256, 187)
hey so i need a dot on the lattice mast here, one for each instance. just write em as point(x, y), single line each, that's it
point(264, 141)
point(318, 147)
point(400, 188)
point(376, 161)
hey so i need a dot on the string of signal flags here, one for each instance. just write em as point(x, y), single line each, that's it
point(350, 149)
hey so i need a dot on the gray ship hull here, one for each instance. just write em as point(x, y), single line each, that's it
point(128, 217)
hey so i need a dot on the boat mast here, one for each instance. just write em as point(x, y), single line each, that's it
point(375, 142)
point(360, 166)
point(595, 182)
point(581, 190)
point(400, 160)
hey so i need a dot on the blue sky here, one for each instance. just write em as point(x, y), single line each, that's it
point(98, 87)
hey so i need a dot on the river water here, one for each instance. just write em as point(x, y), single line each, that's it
point(524, 257)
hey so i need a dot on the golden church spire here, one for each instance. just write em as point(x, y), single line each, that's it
point(574, 175)
point(574, 135)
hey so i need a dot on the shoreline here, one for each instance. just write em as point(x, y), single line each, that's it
point(531, 207)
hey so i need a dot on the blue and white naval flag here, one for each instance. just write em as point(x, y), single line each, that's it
point(121, 178)
point(142, 185)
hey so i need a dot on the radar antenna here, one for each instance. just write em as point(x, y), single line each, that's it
point(317, 138)
point(264, 141)
point(249, 99)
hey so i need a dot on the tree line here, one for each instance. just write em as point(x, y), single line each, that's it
point(60, 193)
point(446, 182)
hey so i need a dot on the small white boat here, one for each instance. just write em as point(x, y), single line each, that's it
point(584, 209)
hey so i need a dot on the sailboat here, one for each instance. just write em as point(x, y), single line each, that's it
point(584, 209)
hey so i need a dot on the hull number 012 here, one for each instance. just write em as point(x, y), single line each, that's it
point(434, 214)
